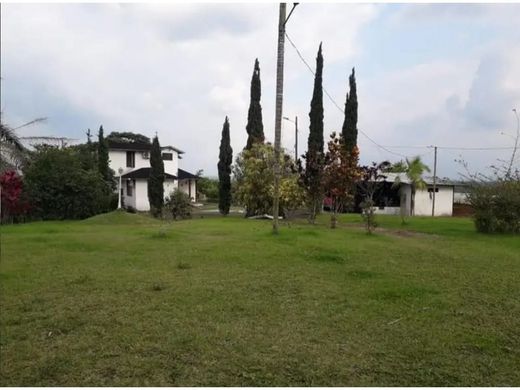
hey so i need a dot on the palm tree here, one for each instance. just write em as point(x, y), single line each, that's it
point(413, 170)
point(12, 151)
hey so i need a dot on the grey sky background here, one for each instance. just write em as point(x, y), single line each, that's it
point(444, 74)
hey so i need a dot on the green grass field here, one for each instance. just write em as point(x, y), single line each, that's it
point(123, 300)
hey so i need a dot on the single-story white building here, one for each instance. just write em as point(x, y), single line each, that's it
point(391, 198)
point(131, 162)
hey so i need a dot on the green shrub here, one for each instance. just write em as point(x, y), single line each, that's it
point(496, 206)
point(59, 186)
point(178, 205)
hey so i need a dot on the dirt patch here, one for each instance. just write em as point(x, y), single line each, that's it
point(405, 233)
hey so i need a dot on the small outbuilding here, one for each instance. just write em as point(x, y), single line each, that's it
point(395, 193)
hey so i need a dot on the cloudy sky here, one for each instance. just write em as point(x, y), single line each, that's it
point(442, 74)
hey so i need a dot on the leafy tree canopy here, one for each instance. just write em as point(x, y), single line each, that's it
point(397, 167)
point(128, 136)
point(254, 181)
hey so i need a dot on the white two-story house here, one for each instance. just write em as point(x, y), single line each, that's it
point(131, 161)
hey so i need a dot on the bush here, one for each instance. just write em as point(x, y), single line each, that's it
point(207, 189)
point(253, 187)
point(14, 205)
point(496, 206)
point(178, 205)
point(58, 186)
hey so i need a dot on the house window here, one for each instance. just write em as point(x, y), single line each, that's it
point(167, 156)
point(431, 189)
point(129, 188)
point(130, 159)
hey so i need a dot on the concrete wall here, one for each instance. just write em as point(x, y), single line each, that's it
point(443, 201)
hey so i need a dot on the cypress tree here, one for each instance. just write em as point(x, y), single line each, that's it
point(102, 149)
point(224, 170)
point(313, 175)
point(349, 130)
point(156, 179)
point(255, 127)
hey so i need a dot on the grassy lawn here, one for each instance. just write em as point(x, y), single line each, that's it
point(122, 300)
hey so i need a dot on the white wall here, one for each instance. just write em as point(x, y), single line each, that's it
point(189, 184)
point(128, 200)
point(117, 159)
point(141, 192)
point(141, 195)
point(172, 166)
point(169, 186)
point(443, 201)
point(405, 192)
point(388, 210)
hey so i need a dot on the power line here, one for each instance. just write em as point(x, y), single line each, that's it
point(477, 148)
point(334, 102)
point(450, 147)
point(386, 148)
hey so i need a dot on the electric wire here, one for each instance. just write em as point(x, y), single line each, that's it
point(383, 147)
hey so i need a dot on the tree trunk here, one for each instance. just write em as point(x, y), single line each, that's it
point(333, 220)
point(412, 202)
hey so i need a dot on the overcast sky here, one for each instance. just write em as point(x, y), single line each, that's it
point(441, 74)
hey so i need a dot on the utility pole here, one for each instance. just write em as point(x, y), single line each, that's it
point(278, 115)
point(434, 179)
point(516, 143)
point(295, 138)
point(282, 20)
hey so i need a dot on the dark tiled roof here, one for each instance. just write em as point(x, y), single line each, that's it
point(128, 145)
point(144, 173)
point(137, 146)
point(186, 175)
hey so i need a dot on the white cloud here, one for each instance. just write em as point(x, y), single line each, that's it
point(179, 69)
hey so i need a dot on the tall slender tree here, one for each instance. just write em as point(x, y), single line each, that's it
point(255, 126)
point(349, 130)
point(224, 170)
point(156, 179)
point(103, 167)
point(312, 176)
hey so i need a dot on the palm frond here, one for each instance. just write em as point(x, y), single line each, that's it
point(9, 138)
